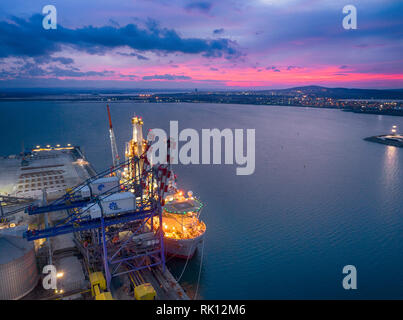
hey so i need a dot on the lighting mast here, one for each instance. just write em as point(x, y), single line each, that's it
point(115, 154)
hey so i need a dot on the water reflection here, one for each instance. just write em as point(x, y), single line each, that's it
point(390, 166)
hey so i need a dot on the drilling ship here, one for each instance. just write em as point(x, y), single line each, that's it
point(182, 227)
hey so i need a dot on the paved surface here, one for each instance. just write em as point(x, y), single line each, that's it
point(55, 170)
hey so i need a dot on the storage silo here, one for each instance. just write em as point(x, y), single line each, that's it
point(18, 270)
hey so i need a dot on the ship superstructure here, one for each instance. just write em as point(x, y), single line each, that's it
point(182, 228)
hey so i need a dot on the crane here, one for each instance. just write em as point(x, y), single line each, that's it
point(114, 149)
point(123, 238)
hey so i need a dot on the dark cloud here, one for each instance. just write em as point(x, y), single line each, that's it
point(201, 6)
point(19, 37)
point(28, 70)
point(58, 72)
point(273, 68)
point(63, 60)
point(289, 68)
point(218, 31)
point(113, 22)
point(131, 76)
point(133, 54)
point(166, 77)
point(363, 45)
point(48, 59)
point(32, 70)
point(213, 69)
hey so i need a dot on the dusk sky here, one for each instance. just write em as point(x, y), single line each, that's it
point(223, 44)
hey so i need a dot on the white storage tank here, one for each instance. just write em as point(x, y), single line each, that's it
point(103, 185)
point(18, 269)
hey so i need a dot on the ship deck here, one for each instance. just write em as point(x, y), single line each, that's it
point(183, 206)
point(53, 169)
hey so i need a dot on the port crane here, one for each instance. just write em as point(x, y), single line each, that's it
point(120, 255)
point(114, 149)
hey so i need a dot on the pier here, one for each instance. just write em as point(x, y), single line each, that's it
point(392, 139)
point(71, 246)
point(395, 140)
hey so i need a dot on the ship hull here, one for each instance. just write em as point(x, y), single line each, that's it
point(182, 248)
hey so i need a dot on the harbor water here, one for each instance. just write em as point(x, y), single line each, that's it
point(320, 198)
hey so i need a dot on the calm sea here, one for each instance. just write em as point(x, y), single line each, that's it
point(321, 197)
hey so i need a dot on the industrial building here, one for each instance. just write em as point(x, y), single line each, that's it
point(55, 210)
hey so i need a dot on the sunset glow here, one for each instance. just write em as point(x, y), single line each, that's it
point(231, 43)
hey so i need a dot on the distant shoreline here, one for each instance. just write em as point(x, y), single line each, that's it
point(398, 113)
point(366, 101)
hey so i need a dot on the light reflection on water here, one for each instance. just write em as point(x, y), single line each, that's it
point(390, 167)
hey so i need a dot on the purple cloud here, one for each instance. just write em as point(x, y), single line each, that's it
point(201, 6)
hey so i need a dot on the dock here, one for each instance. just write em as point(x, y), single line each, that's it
point(23, 178)
point(395, 140)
